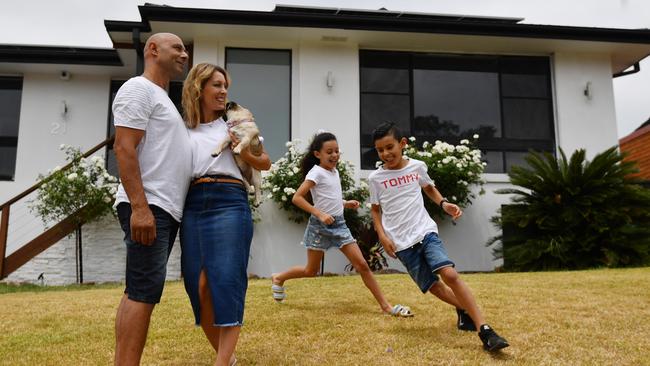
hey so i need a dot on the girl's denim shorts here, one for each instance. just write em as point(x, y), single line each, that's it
point(319, 236)
point(424, 259)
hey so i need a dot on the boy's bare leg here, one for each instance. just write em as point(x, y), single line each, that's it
point(310, 270)
point(131, 327)
point(462, 293)
point(444, 293)
point(353, 253)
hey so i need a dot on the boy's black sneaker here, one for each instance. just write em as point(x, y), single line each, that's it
point(491, 340)
point(465, 322)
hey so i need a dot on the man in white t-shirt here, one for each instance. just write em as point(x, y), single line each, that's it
point(154, 158)
point(407, 232)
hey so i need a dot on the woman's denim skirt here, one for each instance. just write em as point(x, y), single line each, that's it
point(216, 234)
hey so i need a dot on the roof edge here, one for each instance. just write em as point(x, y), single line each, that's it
point(361, 21)
point(635, 134)
point(126, 26)
point(59, 55)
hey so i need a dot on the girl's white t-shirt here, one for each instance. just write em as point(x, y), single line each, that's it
point(399, 193)
point(164, 153)
point(205, 138)
point(327, 193)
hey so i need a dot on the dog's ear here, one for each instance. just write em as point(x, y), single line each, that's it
point(230, 105)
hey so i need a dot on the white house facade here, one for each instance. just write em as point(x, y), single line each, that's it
point(300, 69)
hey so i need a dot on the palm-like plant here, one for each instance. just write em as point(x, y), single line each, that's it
point(574, 213)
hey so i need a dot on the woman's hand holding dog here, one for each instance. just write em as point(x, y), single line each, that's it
point(234, 140)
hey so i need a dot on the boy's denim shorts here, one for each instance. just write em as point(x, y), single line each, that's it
point(146, 265)
point(424, 259)
point(319, 236)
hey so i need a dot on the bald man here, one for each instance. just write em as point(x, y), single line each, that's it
point(153, 154)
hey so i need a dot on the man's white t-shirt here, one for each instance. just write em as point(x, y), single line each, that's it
point(205, 138)
point(327, 193)
point(164, 153)
point(399, 193)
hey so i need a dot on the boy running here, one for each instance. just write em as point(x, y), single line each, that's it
point(407, 232)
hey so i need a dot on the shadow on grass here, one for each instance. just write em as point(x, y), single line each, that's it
point(8, 288)
point(445, 336)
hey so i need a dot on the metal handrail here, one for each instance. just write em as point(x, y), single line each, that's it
point(47, 238)
point(108, 141)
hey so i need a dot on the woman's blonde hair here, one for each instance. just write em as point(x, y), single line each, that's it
point(193, 88)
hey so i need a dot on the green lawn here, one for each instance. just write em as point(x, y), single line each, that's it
point(598, 317)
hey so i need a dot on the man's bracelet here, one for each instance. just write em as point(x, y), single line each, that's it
point(442, 203)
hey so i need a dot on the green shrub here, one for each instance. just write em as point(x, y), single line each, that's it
point(573, 214)
point(85, 184)
point(454, 169)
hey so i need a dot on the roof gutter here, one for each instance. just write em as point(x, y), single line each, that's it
point(362, 21)
point(59, 55)
point(636, 69)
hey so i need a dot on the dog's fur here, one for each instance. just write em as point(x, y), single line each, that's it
point(241, 123)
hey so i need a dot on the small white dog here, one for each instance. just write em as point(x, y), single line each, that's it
point(241, 123)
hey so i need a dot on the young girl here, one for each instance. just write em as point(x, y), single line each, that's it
point(326, 227)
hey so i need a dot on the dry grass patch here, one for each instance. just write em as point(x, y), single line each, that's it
point(586, 317)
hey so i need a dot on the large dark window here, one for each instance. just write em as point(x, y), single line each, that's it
point(175, 94)
point(261, 81)
point(11, 89)
point(506, 100)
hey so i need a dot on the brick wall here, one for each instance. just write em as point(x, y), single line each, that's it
point(637, 146)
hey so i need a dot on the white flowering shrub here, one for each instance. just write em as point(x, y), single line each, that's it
point(454, 169)
point(86, 183)
point(285, 177)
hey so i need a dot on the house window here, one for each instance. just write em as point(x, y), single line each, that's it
point(506, 100)
point(11, 89)
point(261, 81)
point(175, 94)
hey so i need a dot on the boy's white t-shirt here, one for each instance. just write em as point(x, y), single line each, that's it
point(164, 153)
point(205, 138)
point(399, 193)
point(327, 193)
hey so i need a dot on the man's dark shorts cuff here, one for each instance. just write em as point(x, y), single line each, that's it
point(142, 299)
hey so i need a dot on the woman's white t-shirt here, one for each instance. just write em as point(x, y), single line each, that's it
point(164, 153)
point(205, 138)
point(326, 193)
point(399, 193)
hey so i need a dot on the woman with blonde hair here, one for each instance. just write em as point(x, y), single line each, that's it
point(217, 228)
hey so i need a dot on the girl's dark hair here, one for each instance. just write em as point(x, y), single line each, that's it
point(309, 160)
point(386, 129)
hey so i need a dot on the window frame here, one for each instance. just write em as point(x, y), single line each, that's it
point(12, 82)
point(291, 61)
point(502, 145)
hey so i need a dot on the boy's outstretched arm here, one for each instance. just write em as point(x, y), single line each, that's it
point(450, 208)
point(386, 242)
point(300, 201)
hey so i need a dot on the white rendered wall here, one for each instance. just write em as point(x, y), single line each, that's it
point(584, 123)
point(42, 128)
